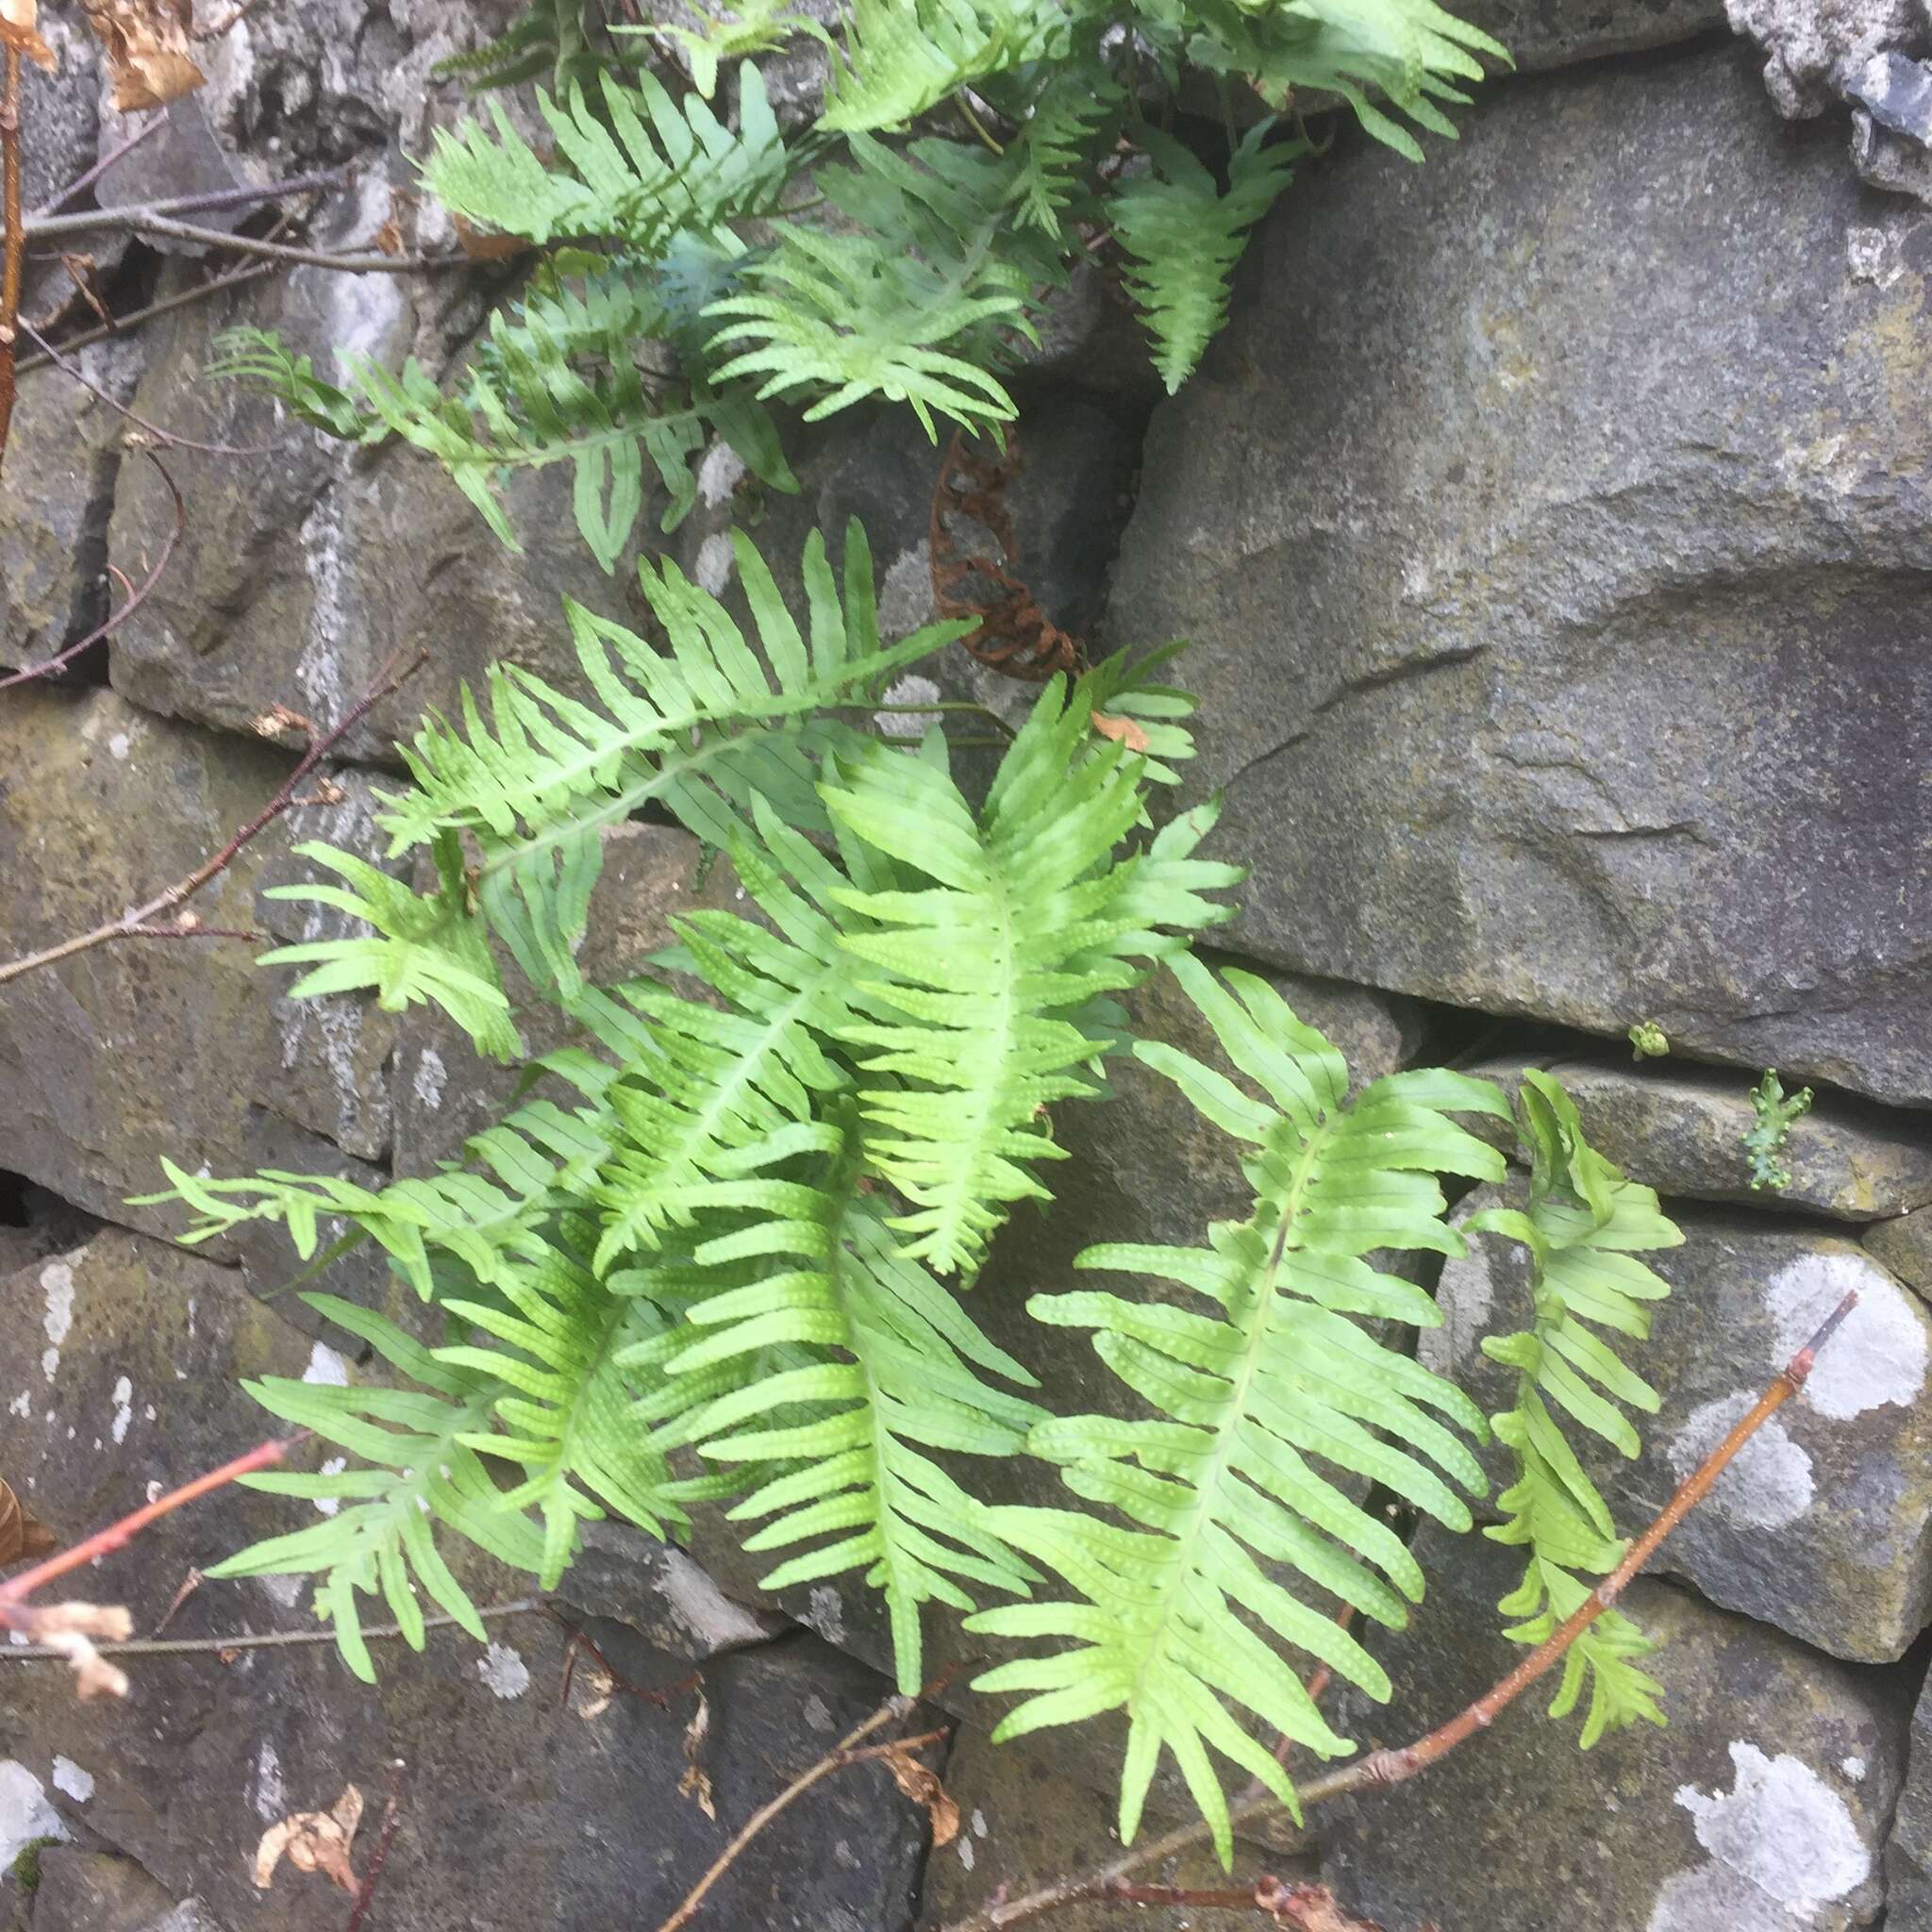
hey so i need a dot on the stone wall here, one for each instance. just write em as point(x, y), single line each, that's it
point(1552, 524)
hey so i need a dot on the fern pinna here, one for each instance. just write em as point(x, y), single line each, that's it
point(694, 263)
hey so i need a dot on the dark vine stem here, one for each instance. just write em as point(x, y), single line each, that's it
point(1384, 1767)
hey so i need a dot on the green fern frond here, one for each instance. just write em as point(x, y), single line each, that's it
point(643, 167)
point(554, 37)
point(1068, 127)
point(1586, 1222)
point(904, 57)
point(565, 1402)
point(259, 356)
point(703, 725)
point(413, 1467)
point(912, 307)
point(1027, 918)
point(426, 949)
point(897, 1371)
point(1275, 1372)
point(750, 26)
point(729, 1089)
point(1185, 238)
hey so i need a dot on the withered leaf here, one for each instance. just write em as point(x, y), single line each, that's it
point(20, 28)
point(696, 1782)
point(1123, 730)
point(922, 1787)
point(484, 244)
point(22, 1535)
point(147, 44)
point(313, 1841)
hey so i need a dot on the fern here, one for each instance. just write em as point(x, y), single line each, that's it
point(642, 168)
point(1764, 1141)
point(904, 57)
point(750, 26)
point(910, 307)
point(895, 1374)
point(1185, 239)
point(557, 37)
point(699, 725)
point(1066, 127)
point(413, 1465)
point(1274, 1373)
point(1585, 1222)
point(1026, 920)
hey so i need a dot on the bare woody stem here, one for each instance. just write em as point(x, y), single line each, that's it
point(1384, 1767)
point(130, 924)
point(13, 247)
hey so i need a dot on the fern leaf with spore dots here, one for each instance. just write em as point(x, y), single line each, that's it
point(1277, 1369)
point(900, 1370)
point(643, 167)
point(413, 1471)
point(1185, 238)
point(703, 725)
point(1585, 1226)
point(1028, 917)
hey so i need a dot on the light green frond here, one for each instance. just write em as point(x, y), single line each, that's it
point(1260, 1400)
point(702, 724)
point(901, 1373)
point(1185, 238)
point(426, 949)
point(1027, 918)
point(1586, 1224)
point(914, 306)
point(640, 166)
point(411, 1469)
point(901, 57)
point(747, 27)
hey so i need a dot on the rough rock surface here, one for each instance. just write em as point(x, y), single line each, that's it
point(1823, 1523)
point(1760, 1808)
point(1905, 1246)
point(142, 1347)
point(1908, 1852)
point(1554, 33)
point(1554, 575)
point(94, 1892)
point(130, 1052)
point(1679, 1130)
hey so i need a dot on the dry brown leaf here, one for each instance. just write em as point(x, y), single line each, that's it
point(313, 1841)
point(696, 1782)
point(1309, 1908)
point(20, 28)
point(147, 44)
point(1122, 730)
point(922, 1787)
point(22, 1535)
point(485, 245)
point(388, 238)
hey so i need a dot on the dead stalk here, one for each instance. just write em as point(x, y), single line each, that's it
point(14, 246)
point(1384, 1767)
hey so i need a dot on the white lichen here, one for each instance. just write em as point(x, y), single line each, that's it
point(57, 1284)
point(712, 568)
point(718, 475)
point(1769, 1482)
point(26, 1811)
point(268, 1791)
point(503, 1669)
point(69, 1777)
point(124, 1410)
point(431, 1076)
point(1878, 1354)
point(826, 1613)
point(326, 1367)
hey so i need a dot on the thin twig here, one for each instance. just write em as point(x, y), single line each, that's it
point(268, 1640)
point(165, 306)
point(83, 182)
point(387, 680)
point(91, 219)
point(166, 437)
point(13, 247)
point(1383, 1768)
point(847, 1751)
point(576, 1640)
point(115, 619)
point(104, 1543)
point(391, 1811)
point(140, 221)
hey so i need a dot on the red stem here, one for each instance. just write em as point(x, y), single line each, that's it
point(15, 243)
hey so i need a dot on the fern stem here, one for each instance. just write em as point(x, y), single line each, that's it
point(978, 127)
point(1383, 1768)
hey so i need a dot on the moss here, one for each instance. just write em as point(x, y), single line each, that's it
point(27, 1864)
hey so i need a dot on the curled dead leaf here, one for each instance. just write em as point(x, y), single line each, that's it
point(922, 1785)
point(147, 44)
point(1122, 730)
point(22, 1535)
point(1308, 1907)
point(20, 28)
point(484, 244)
point(313, 1841)
point(696, 1782)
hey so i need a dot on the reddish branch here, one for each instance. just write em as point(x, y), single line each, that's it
point(392, 1813)
point(131, 924)
point(16, 244)
point(1384, 1767)
point(135, 598)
